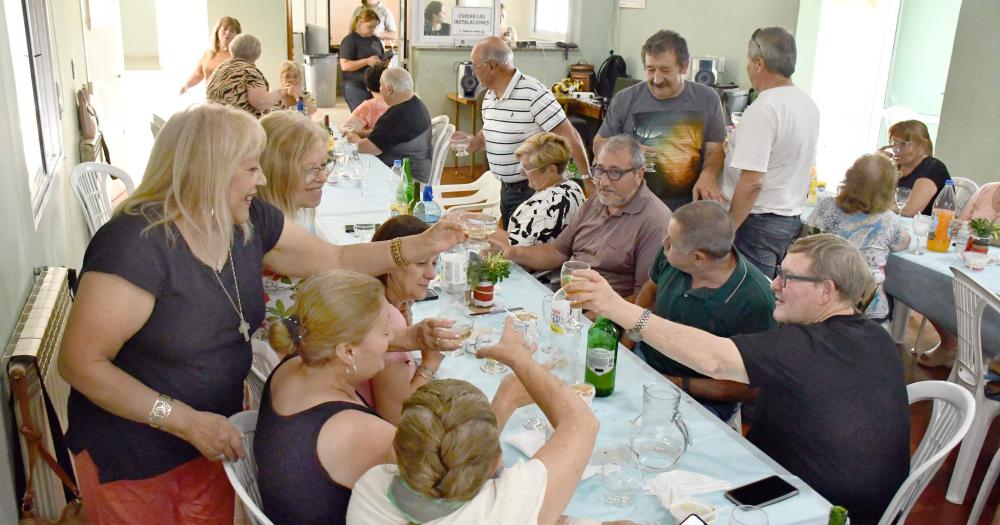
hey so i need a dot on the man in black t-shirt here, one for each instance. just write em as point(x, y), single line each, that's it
point(404, 131)
point(831, 405)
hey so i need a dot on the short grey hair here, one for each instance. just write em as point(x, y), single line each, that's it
point(628, 143)
point(705, 227)
point(501, 54)
point(398, 79)
point(776, 46)
point(835, 258)
point(245, 47)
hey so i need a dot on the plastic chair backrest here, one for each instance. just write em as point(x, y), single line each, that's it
point(971, 301)
point(90, 184)
point(440, 136)
point(259, 371)
point(951, 418)
point(964, 190)
point(242, 473)
point(485, 196)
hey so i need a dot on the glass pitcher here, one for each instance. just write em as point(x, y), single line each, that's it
point(659, 437)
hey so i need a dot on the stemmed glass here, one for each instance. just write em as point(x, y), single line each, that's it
point(478, 226)
point(921, 227)
point(460, 145)
point(568, 267)
point(462, 326)
point(489, 366)
point(902, 195)
point(748, 515)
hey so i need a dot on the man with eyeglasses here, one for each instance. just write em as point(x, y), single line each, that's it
point(679, 123)
point(515, 108)
point(772, 152)
point(618, 233)
point(698, 280)
point(831, 401)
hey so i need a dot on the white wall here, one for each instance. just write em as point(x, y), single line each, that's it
point(139, 34)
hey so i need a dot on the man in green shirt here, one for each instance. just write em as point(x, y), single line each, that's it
point(699, 280)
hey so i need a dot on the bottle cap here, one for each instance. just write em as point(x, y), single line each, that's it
point(428, 193)
point(397, 162)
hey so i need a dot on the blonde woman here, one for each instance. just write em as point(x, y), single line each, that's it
point(556, 201)
point(863, 214)
point(226, 29)
point(290, 77)
point(447, 454)
point(158, 340)
point(315, 435)
point(237, 81)
point(359, 50)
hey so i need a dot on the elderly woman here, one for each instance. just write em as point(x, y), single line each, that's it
point(910, 144)
point(290, 76)
point(158, 341)
point(364, 117)
point(359, 50)
point(447, 454)
point(315, 434)
point(237, 82)
point(223, 34)
point(984, 204)
point(434, 24)
point(863, 214)
point(556, 201)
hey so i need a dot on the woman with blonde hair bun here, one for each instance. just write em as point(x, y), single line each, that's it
point(447, 452)
point(157, 343)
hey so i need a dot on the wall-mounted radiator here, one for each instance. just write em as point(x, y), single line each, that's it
point(36, 341)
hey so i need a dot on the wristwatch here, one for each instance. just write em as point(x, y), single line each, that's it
point(160, 411)
point(635, 333)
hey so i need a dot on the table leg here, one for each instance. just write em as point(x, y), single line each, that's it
point(472, 158)
point(458, 108)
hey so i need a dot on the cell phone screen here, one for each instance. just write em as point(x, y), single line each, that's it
point(763, 492)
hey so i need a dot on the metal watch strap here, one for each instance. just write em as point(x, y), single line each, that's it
point(160, 411)
point(635, 333)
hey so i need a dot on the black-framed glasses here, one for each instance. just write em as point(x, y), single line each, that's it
point(783, 277)
point(613, 174)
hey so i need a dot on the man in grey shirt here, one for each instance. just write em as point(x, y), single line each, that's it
point(679, 123)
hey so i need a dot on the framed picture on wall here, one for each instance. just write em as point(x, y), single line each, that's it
point(443, 23)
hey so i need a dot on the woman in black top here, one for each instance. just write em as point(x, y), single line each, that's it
point(359, 50)
point(910, 144)
point(158, 340)
point(434, 24)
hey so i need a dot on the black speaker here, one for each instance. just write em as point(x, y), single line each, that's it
point(467, 81)
point(705, 71)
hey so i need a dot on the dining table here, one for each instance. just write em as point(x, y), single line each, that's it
point(716, 450)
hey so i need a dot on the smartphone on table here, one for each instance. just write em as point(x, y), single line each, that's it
point(762, 492)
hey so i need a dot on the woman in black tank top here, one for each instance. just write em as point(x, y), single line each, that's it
point(315, 436)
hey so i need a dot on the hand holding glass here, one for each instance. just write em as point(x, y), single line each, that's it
point(460, 144)
point(568, 267)
point(489, 365)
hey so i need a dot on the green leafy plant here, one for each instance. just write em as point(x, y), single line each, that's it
point(983, 228)
point(492, 268)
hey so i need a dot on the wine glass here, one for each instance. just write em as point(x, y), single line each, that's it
point(568, 267)
point(921, 227)
point(490, 366)
point(902, 195)
point(748, 515)
point(478, 226)
point(462, 326)
point(460, 145)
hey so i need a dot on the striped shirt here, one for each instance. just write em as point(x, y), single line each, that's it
point(525, 109)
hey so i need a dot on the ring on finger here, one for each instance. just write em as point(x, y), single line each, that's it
point(439, 341)
point(221, 457)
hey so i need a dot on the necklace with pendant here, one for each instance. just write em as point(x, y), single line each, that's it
point(238, 303)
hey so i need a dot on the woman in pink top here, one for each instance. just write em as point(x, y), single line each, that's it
point(363, 119)
point(985, 204)
point(403, 286)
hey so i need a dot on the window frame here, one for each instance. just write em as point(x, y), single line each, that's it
point(553, 37)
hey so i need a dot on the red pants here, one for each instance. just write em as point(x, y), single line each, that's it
point(196, 492)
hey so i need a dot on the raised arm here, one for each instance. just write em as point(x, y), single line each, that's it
point(197, 76)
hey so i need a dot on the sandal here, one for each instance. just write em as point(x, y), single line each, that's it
point(938, 357)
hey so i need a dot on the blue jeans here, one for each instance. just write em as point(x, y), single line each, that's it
point(355, 94)
point(765, 237)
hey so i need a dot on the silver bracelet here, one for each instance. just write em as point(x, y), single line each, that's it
point(160, 411)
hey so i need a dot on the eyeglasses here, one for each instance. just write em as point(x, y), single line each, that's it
point(897, 144)
point(477, 66)
point(314, 173)
point(527, 171)
point(614, 174)
point(783, 278)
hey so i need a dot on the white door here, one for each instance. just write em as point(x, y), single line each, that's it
point(105, 67)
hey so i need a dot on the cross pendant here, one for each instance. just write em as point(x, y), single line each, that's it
point(245, 329)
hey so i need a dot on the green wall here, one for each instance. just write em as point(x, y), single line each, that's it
point(923, 53)
point(264, 19)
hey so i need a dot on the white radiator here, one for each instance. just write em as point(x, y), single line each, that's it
point(36, 340)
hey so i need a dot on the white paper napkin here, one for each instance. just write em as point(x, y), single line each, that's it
point(681, 484)
point(529, 441)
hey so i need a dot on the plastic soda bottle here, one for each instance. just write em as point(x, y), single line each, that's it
point(939, 238)
point(427, 210)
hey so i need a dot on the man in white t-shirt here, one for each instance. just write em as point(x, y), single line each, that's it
point(772, 153)
point(515, 108)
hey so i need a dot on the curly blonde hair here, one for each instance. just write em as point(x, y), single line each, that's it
point(447, 442)
point(545, 149)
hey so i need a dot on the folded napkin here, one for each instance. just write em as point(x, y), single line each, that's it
point(529, 441)
point(680, 484)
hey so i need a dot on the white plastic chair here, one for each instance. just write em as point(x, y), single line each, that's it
point(951, 418)
point(486, 196)
point(255, 380)
point(441, 132)
point(989, 480)
point(971, 302)
point(242, 473)
point(90, 184)
point(964, 190)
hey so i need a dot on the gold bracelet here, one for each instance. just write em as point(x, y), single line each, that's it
point(397, 252)
point(425, 373)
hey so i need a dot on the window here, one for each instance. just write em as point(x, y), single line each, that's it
point(37, 93)
point(552, 19)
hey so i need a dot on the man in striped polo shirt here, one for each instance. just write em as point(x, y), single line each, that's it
point(515, 107)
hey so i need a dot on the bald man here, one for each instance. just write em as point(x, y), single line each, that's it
point(515, 107)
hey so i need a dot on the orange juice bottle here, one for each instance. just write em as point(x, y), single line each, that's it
point(939, 238)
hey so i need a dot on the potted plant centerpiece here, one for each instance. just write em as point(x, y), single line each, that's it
point(983, 231)
point(485, 271)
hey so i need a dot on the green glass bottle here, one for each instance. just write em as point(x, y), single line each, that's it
point(408, 177)
point(838, 516)
point(602, 356)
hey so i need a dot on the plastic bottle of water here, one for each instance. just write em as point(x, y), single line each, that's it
point(300, 105)
point(427, 210)
point(961, 239)
point(397, 170)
